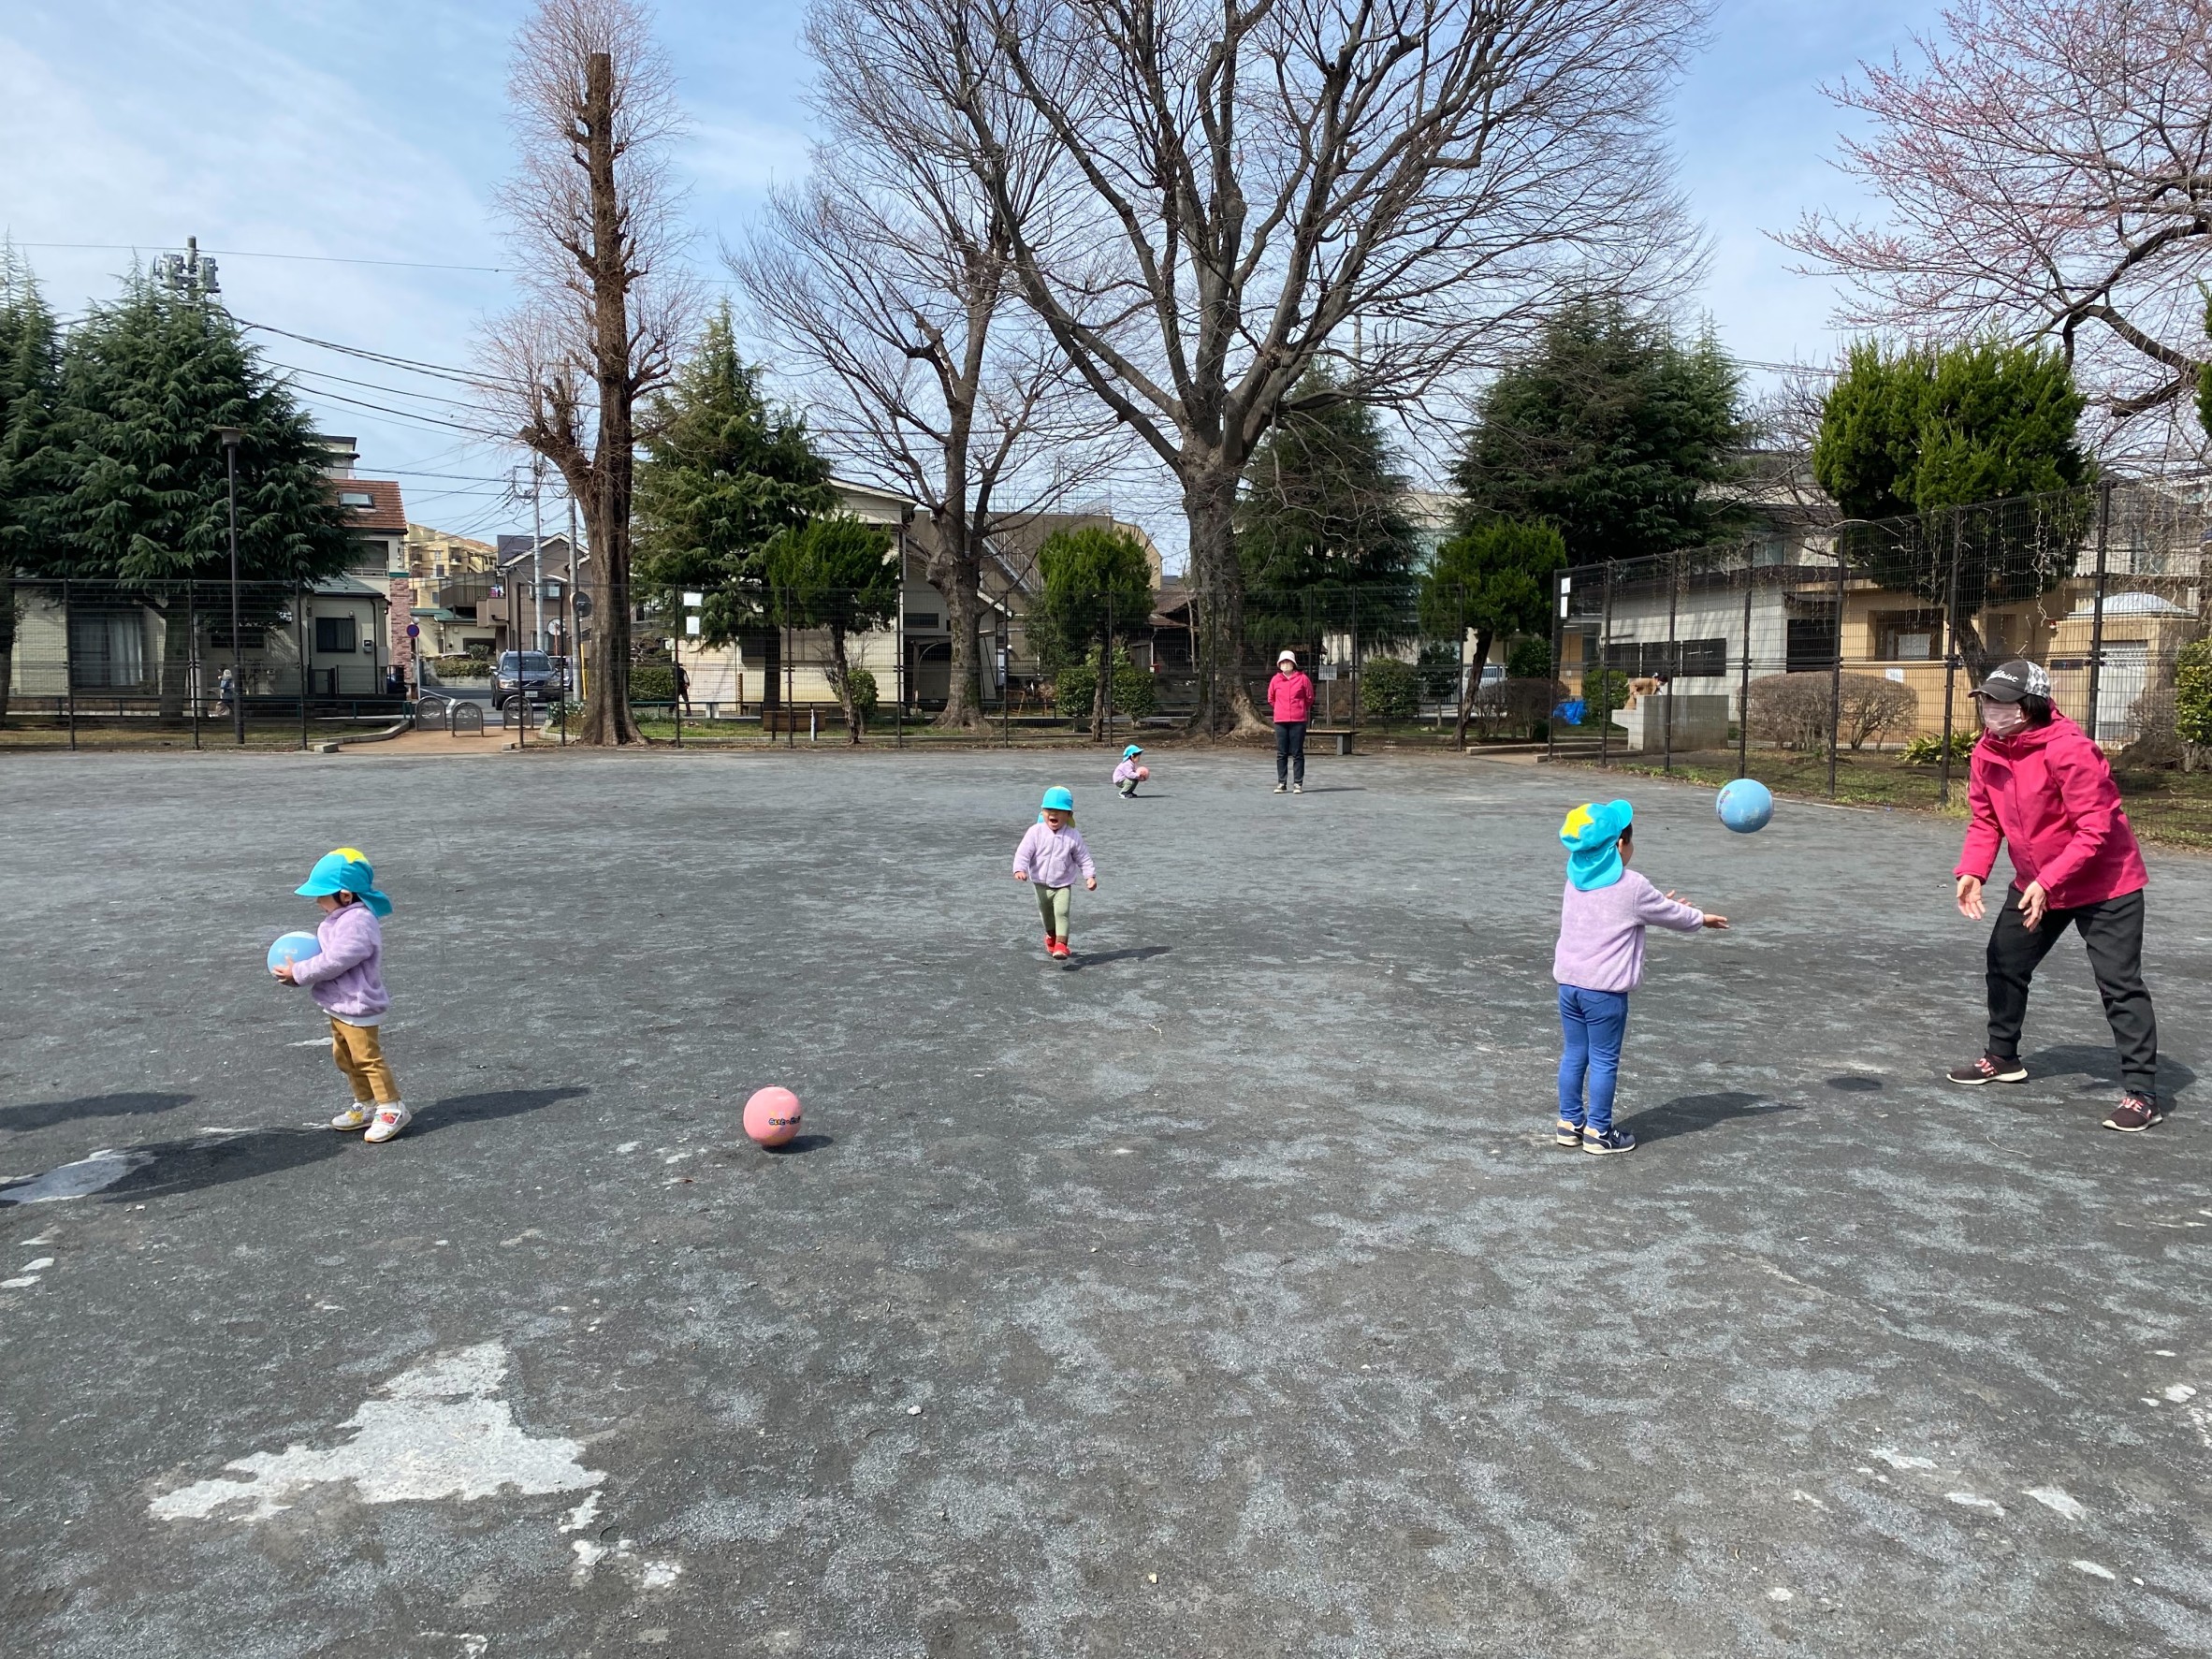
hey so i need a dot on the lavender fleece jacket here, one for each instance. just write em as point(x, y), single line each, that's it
point(1052, 860)
point(346, 976)
point(1601, 932)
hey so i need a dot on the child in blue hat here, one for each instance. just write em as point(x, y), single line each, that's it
point(1130, 773)
point(1049, 857)
point(346, 977)
point(1599, 960)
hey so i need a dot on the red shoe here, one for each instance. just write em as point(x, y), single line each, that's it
point(1059, 948)
point(1050, 945)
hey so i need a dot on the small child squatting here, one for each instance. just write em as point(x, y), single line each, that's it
point(346, 977)
point(1131, 772)
point(1599, 960)
point(1050, 857)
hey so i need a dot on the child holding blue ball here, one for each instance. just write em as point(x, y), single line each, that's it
point(346, 977)
point(1599, 960)
point(1050, 857)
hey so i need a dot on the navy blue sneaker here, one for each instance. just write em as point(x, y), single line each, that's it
point(1611, 1141)
point(1568, 1134)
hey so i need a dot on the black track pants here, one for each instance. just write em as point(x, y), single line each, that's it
point(2113, 930)
point(1290, 750)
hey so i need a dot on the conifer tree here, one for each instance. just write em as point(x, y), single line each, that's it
point(30, 467)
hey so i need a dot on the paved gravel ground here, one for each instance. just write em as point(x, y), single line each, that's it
point(1222, 1296)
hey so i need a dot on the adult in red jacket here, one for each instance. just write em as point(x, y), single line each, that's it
point(1290, 700)
point(2041, 787)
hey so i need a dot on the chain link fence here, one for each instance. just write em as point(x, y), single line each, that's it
point(1861, 641)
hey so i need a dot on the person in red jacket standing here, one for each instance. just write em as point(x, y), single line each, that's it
point(1290, 699)
point(2041, 787)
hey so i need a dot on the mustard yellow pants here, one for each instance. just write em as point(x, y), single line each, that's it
point(360, 1052)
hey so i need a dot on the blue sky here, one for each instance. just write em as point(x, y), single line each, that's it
point(363, 132)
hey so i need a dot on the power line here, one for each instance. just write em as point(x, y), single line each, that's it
point(462, 376)
point(372, 387)
point(250, 254)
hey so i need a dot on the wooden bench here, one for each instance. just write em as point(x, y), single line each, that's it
point(1343, 735)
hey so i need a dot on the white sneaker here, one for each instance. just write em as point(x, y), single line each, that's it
point(1282, 788)
point(391, 1120)
point(352, 1117)
point(1298, 789)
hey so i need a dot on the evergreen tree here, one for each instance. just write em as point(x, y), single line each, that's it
point(723, 472)
point(1097, 587)
point(1611, 429)
point(833, 573)
point(1491, 579)
point(1322, 537)
point(1923, 430)
point(30, 465)
point(146, 384)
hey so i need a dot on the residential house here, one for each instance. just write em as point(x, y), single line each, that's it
point(450, 576)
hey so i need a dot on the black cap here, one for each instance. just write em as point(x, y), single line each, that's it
point(2011, 681)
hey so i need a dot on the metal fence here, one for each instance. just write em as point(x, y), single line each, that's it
point(1864, 634)
point(109, 663)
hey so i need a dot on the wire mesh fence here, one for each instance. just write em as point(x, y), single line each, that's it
point(1864, 639)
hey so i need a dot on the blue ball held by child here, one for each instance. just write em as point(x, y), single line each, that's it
point(1745, 806)
point(293, 947)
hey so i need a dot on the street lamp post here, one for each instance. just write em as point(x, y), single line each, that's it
point(232, 437)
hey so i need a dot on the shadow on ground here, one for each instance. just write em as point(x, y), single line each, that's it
point(2101, 1066)
point(165, 1169)
point(45, 1114)
point(1687, 1114)
point(1134, 953)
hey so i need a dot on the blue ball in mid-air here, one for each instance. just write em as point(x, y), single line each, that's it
point(1745, 806)
point(293, 947)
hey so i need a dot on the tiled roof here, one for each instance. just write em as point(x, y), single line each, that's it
point(384, 513)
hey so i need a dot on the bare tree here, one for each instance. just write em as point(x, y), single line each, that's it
point(887, 279)
point(2047, 168)
point(1228, 184)
point(605, 306)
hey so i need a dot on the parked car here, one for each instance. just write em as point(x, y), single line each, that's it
point(532, 674)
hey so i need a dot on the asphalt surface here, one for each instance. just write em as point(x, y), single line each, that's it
point(1223, 1295)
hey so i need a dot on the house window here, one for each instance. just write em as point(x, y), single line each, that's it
point(107, 650)
point(923, 621)
point(355, 498)
point(1907, 637)
point(335, 633)
point(1653, 659)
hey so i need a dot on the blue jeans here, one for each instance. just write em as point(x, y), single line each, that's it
point(1593, 1023)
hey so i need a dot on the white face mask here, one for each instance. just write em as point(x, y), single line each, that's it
point(2001, 719)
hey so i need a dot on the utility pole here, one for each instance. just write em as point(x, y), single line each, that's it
point(232, 437)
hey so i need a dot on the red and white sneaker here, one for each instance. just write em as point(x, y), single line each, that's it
point(391, 1120)
point(1059, 949)
point(1989, 1068)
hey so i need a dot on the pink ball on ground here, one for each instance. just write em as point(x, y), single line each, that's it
point(772, 1116)
point(1142, 773)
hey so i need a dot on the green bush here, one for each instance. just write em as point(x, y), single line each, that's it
point(2192, 693)
point(1076, 684)
point(1389, 690)
point(862, 684)
point(460, 667)
point(1529, 660)
point(1928, 749)
point(652, 683)
point(1605, 690)
point(1439, 668)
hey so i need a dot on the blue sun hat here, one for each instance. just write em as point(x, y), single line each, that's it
point(345, 870)
point(1592, 834)
point(1133, 750)
point(1058, 800)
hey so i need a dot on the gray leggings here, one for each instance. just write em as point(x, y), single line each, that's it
point(1053, 903)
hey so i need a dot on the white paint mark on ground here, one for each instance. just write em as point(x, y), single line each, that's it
point(316, 1041)
point(1898, 1459)
point(1806, 1497)
point(647, 1575)
point(1974, 1500)
point(2177, 1393)
point(1779, 1593)
point(582, 1515)
point(2094, 1571)
point(38, 1265)
point(628, 1146)
point(87, 1176)
point(23, 1283)
point(1123, 1151)
point(437, 1433)
point(2058, 1500)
